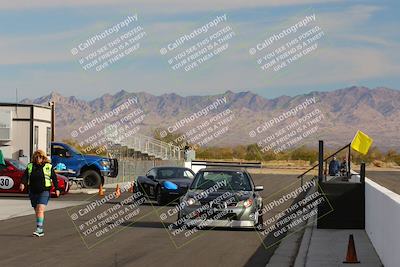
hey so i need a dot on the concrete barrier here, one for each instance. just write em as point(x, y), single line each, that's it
point(382, 222)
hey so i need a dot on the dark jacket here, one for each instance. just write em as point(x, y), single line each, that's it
point(37, 181)
point(334, 167)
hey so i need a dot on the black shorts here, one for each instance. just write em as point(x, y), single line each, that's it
point(39, 198)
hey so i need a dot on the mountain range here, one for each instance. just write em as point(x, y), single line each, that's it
point(374, 111)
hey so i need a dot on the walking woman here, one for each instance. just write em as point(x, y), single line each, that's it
point(38, 176)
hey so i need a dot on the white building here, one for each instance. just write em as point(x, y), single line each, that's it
point(25, 128)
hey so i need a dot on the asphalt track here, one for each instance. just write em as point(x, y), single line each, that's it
point(143, 243)
point(388, 179)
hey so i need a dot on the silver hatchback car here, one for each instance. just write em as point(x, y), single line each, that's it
point(221, 198)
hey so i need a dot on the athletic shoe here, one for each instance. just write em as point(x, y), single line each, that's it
point(39, 232)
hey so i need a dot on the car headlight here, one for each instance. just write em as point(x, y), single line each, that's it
point(105, 163)
point(245, 203)
point(191, 201)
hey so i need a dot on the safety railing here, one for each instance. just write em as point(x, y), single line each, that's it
point(152, 147)
point(325, 161)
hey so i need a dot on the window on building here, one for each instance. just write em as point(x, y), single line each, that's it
point(48, 141)
point(5, 125)
point(36, 138)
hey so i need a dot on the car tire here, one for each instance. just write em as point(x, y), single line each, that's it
point(91, 179)
point(136, 190)
point(159, 197)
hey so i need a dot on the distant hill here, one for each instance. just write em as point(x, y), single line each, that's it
point(376, 111)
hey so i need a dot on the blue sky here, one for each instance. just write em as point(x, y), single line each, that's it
point(360, 47)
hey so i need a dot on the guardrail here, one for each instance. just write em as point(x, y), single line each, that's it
point(153, 147)
point(325, 162)
point(382, 220)
point(130, 169)
point(196, 165)
point(150, 146)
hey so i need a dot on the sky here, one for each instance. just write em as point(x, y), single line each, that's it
point(359, 46)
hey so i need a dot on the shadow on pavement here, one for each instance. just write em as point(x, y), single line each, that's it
point(270, 243)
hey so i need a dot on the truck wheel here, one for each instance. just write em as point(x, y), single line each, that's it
point(91, 179)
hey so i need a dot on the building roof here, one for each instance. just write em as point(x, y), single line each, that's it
point(23, 105)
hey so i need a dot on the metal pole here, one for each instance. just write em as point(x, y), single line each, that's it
point(348, 161)
point(320, 160)
point(362, 173)
point(53, 121)
point(123, 171)
point(362, 180)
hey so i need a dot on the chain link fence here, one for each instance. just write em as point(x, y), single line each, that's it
point(129, 169)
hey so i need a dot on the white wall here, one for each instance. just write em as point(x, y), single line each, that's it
point(382, 222)
point(20, 129)
point(40, 113)
point(20, 139)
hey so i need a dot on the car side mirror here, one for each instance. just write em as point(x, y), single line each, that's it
point(259, 188)
point(68, 154)
point(151, 177)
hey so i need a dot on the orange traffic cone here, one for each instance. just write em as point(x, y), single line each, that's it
point(101, 191)
point(117, 191)
point(351, 256)
point(131, 189)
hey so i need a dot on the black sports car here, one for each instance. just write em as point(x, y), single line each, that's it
point(165, 184)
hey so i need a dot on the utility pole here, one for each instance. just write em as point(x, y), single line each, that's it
point(53, 120)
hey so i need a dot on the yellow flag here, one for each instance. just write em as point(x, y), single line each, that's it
point(361, 142)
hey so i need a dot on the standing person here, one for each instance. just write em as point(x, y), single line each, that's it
point(38, 176)
point(334, 167)
point(344, 167)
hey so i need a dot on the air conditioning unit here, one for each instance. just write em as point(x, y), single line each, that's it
point(5, 125)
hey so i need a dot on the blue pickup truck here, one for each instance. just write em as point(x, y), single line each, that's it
point(91, 168)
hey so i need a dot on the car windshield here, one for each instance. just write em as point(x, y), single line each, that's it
point(74, 150)
point(174, 173)
point(17, 164)
point(223, 180)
